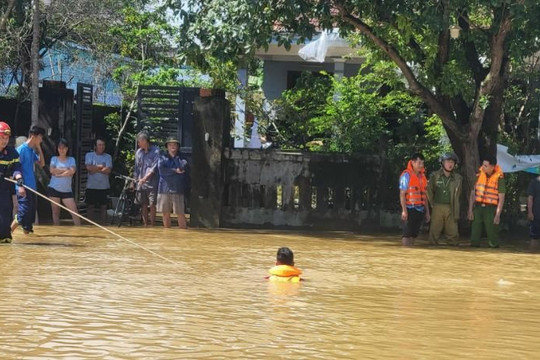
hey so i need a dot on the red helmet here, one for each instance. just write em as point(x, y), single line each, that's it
point(5, 129)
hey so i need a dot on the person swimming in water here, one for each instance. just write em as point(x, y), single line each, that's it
point(284, 270)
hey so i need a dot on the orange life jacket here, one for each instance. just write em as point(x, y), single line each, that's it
point(487, 189)
point(284, 273)
point(416, 192)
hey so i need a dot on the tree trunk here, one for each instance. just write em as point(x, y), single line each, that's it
point(469, 164)
point(123, 128)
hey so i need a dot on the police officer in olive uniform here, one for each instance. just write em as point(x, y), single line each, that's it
point(9, 166)
point(486, 203)
point(444, 192)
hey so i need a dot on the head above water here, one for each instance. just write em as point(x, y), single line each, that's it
point(285, 256)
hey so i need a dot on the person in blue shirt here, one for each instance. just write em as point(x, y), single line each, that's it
point(99, 166)
point(172, 180)
point(9, 166)
point(413, 199)
point(62, 168)
point(145, 172)
point(30, 153)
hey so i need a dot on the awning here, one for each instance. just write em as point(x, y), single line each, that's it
point(512, 163)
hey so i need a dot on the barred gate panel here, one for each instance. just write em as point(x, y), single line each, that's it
point(168, 111)
point(84, 136)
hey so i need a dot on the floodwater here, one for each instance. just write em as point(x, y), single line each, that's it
point(80, 293)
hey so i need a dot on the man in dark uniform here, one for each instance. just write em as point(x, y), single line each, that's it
point(9, 166)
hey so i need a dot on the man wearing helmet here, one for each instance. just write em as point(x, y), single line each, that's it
point(9, 166)
point(444, 192)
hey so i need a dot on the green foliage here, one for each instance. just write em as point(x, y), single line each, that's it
point(520, 131)
point(352, 121)
point(296, 109)
point(125, 155)
point(358, 114)
point(461, 80)
point(143, 40)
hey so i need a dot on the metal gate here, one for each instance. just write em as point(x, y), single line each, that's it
point(167, 111)
point(83, 140)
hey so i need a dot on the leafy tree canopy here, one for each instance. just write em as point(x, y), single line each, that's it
point(460, 80)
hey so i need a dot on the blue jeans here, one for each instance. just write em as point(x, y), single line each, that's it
point(26, 215)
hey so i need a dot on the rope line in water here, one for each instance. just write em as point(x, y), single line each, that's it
point(94, 223)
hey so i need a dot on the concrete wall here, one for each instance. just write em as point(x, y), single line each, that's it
point(277, 189)
point(252, 188)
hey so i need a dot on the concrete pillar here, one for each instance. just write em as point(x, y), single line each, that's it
point(240, 121)
point(339, 71)
point(339, 68)
point(211, 134)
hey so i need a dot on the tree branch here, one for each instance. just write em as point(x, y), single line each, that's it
point(5, 16)
point(471, 54)
point(415, 86)
point(444, 38)
point(496, 70)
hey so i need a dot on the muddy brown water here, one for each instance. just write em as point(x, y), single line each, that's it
point(78, 293)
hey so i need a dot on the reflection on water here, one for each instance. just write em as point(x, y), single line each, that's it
point(89, 295)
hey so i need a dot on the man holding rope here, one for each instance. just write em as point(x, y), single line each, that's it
point(9, 165)
point(145, 171)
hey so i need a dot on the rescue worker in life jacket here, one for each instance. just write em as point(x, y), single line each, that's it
point(486, 203)
point(413, 199)
point(284, 271)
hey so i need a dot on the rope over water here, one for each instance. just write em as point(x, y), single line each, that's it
point(94, 223)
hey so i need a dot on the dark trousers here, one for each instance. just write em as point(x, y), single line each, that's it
point(26, 215)
point(534, 228)
point(6, 213)
point(411, 227)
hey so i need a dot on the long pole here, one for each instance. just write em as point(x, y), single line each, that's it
point(93, 223)
point(34, 55)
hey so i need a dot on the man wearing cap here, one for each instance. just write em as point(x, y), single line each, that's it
point(9, 166)
point(172, 181)
point(443, 192)
point(486, 202)
point(145, 172)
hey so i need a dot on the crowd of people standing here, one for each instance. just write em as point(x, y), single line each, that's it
point(160, 182)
